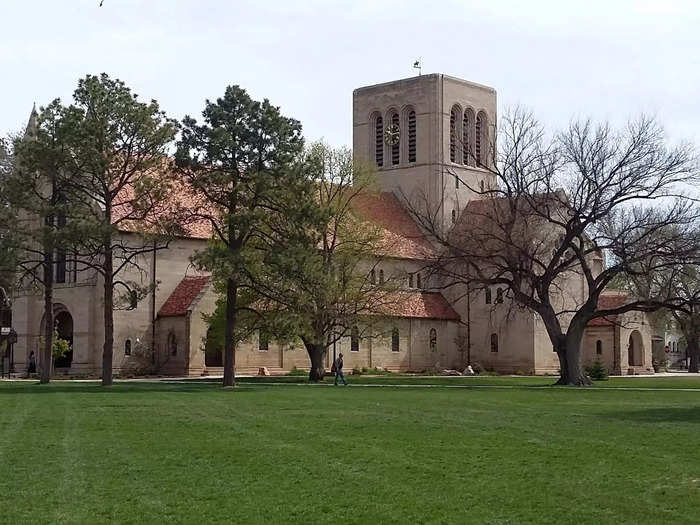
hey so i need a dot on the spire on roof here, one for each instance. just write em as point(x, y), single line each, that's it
point(33, 121)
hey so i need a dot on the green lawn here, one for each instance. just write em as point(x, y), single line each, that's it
point(193, 453)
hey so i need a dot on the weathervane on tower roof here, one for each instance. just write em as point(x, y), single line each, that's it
point(419, 66)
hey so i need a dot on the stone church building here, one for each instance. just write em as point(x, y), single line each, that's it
point(411, 130)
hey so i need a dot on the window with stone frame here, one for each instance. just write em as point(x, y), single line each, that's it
point(599, 347)
point(395, 342)
point(494, 343)
point(487, 295)
point(263, 341)
point(354, 339)
point(499, 295)
point(433, 340)
point(127, 347)
point(410, 280)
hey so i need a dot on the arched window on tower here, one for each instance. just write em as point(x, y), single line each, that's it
point(433, 339)
point(480, 142)
point(467, 122)
point(379, 140)
point(494, 343)
point(395, 145)
point(411, 136)
point(454, 116)
point(454, 216)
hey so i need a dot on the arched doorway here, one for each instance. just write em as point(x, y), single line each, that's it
point(63, 327)
point(635, 349)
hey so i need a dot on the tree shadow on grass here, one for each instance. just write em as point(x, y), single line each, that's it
point(689, 414)
point(118, 388)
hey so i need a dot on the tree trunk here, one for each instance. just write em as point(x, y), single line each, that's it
point(47, 347)
point(230, 343)
point(568, 349)
point(694, 353)
point(317, 352)
point(108, 348)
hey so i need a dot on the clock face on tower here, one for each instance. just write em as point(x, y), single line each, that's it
point(392, 133)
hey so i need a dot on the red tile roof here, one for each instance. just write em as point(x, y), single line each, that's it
point(608, 301)
point(400, 236)
point(183, 296)
point(421, 305)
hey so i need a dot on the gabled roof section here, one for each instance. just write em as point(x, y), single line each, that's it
point(420, 305)
point(183, 296)
point(608, 301)
point(400, 236)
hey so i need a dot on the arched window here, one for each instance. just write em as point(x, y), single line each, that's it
point(454, 116)
point(487, 293)
point(381, 276)
point(419, 284)
point(395, 340)
point(373, 276)
point(354, 339)
point(494, 343)
point(410, 280)
point(456, 182)
point(411, 136)
point(433, 339)
point(263, 341)
point(454, 216)
point(499, 295)
point(479, 136)
point(466, 137)
point(395, 146)
point(127, 347)
point(172, 343)
point(481, 186)
point(599, 347)
point(379, 140)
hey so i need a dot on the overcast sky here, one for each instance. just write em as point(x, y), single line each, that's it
point(606, 59)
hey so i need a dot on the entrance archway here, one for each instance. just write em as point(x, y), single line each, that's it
point(63, 324)
point(635, 349)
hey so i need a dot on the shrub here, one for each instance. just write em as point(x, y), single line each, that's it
point(356, 371)
point(597, 371)
point(297, 372)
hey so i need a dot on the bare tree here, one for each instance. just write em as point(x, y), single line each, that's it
point(585, 205)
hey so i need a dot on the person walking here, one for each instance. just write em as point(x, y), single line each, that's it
point(338, 366)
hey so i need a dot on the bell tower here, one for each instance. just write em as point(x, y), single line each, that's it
point(430, 138)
